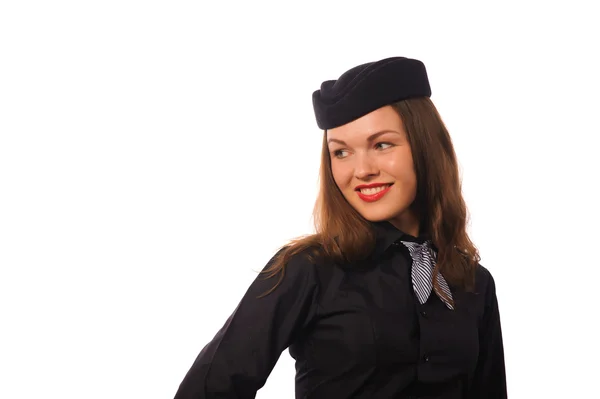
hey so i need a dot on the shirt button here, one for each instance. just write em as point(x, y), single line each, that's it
point(424, 313)
point(426, 359)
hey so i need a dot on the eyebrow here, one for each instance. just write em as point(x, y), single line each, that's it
point(370, 138)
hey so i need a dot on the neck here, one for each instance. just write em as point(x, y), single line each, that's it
point(407, 222)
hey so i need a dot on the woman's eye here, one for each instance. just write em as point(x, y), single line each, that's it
point(382, 143)
point(338, 153)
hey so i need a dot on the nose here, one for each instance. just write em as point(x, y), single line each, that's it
point(365, 166)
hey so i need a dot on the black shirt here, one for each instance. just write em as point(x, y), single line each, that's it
point(357, 332)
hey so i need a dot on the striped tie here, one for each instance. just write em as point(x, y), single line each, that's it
point(422, 272)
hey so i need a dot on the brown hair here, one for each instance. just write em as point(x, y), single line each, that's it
point(344, 236)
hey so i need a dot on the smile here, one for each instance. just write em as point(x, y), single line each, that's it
point(374, 193)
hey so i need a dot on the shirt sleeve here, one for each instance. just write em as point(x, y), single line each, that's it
point(490, 375)
point(238, 360)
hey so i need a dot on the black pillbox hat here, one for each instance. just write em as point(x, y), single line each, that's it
point(367, 87)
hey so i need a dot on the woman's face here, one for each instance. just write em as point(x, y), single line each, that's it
point(372, 165)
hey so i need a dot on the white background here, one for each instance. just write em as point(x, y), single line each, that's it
point(154, 154)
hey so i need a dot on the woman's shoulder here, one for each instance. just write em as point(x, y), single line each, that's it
point(485, 283)
point(299, 260)
point(294, 265)
point(482, 273)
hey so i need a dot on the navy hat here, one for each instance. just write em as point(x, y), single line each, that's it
point(367, 87)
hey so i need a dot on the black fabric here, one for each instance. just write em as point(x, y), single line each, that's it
point(357, 334)
point(367, 87)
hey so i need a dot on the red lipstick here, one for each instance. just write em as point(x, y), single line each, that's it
point(373, 197)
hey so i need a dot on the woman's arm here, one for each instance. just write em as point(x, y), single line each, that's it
point(237, 362)
point(490, 376)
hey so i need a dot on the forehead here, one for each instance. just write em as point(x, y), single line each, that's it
point(385, 118)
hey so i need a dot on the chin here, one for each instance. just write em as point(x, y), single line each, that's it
point(380, 215)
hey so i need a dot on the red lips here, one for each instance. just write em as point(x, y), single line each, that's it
point(373, 197)
point(372, 185)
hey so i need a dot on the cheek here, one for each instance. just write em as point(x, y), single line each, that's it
point(341, 174)
point(402, 168)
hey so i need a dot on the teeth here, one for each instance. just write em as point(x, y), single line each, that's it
point(371, 191)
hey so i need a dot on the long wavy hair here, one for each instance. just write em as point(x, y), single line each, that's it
point(344, 236)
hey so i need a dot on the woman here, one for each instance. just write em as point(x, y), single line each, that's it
point(387, 299)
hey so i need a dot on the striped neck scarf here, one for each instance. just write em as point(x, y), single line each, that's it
point(422, 272)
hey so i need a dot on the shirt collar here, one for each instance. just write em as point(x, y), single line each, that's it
point(387, 234)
